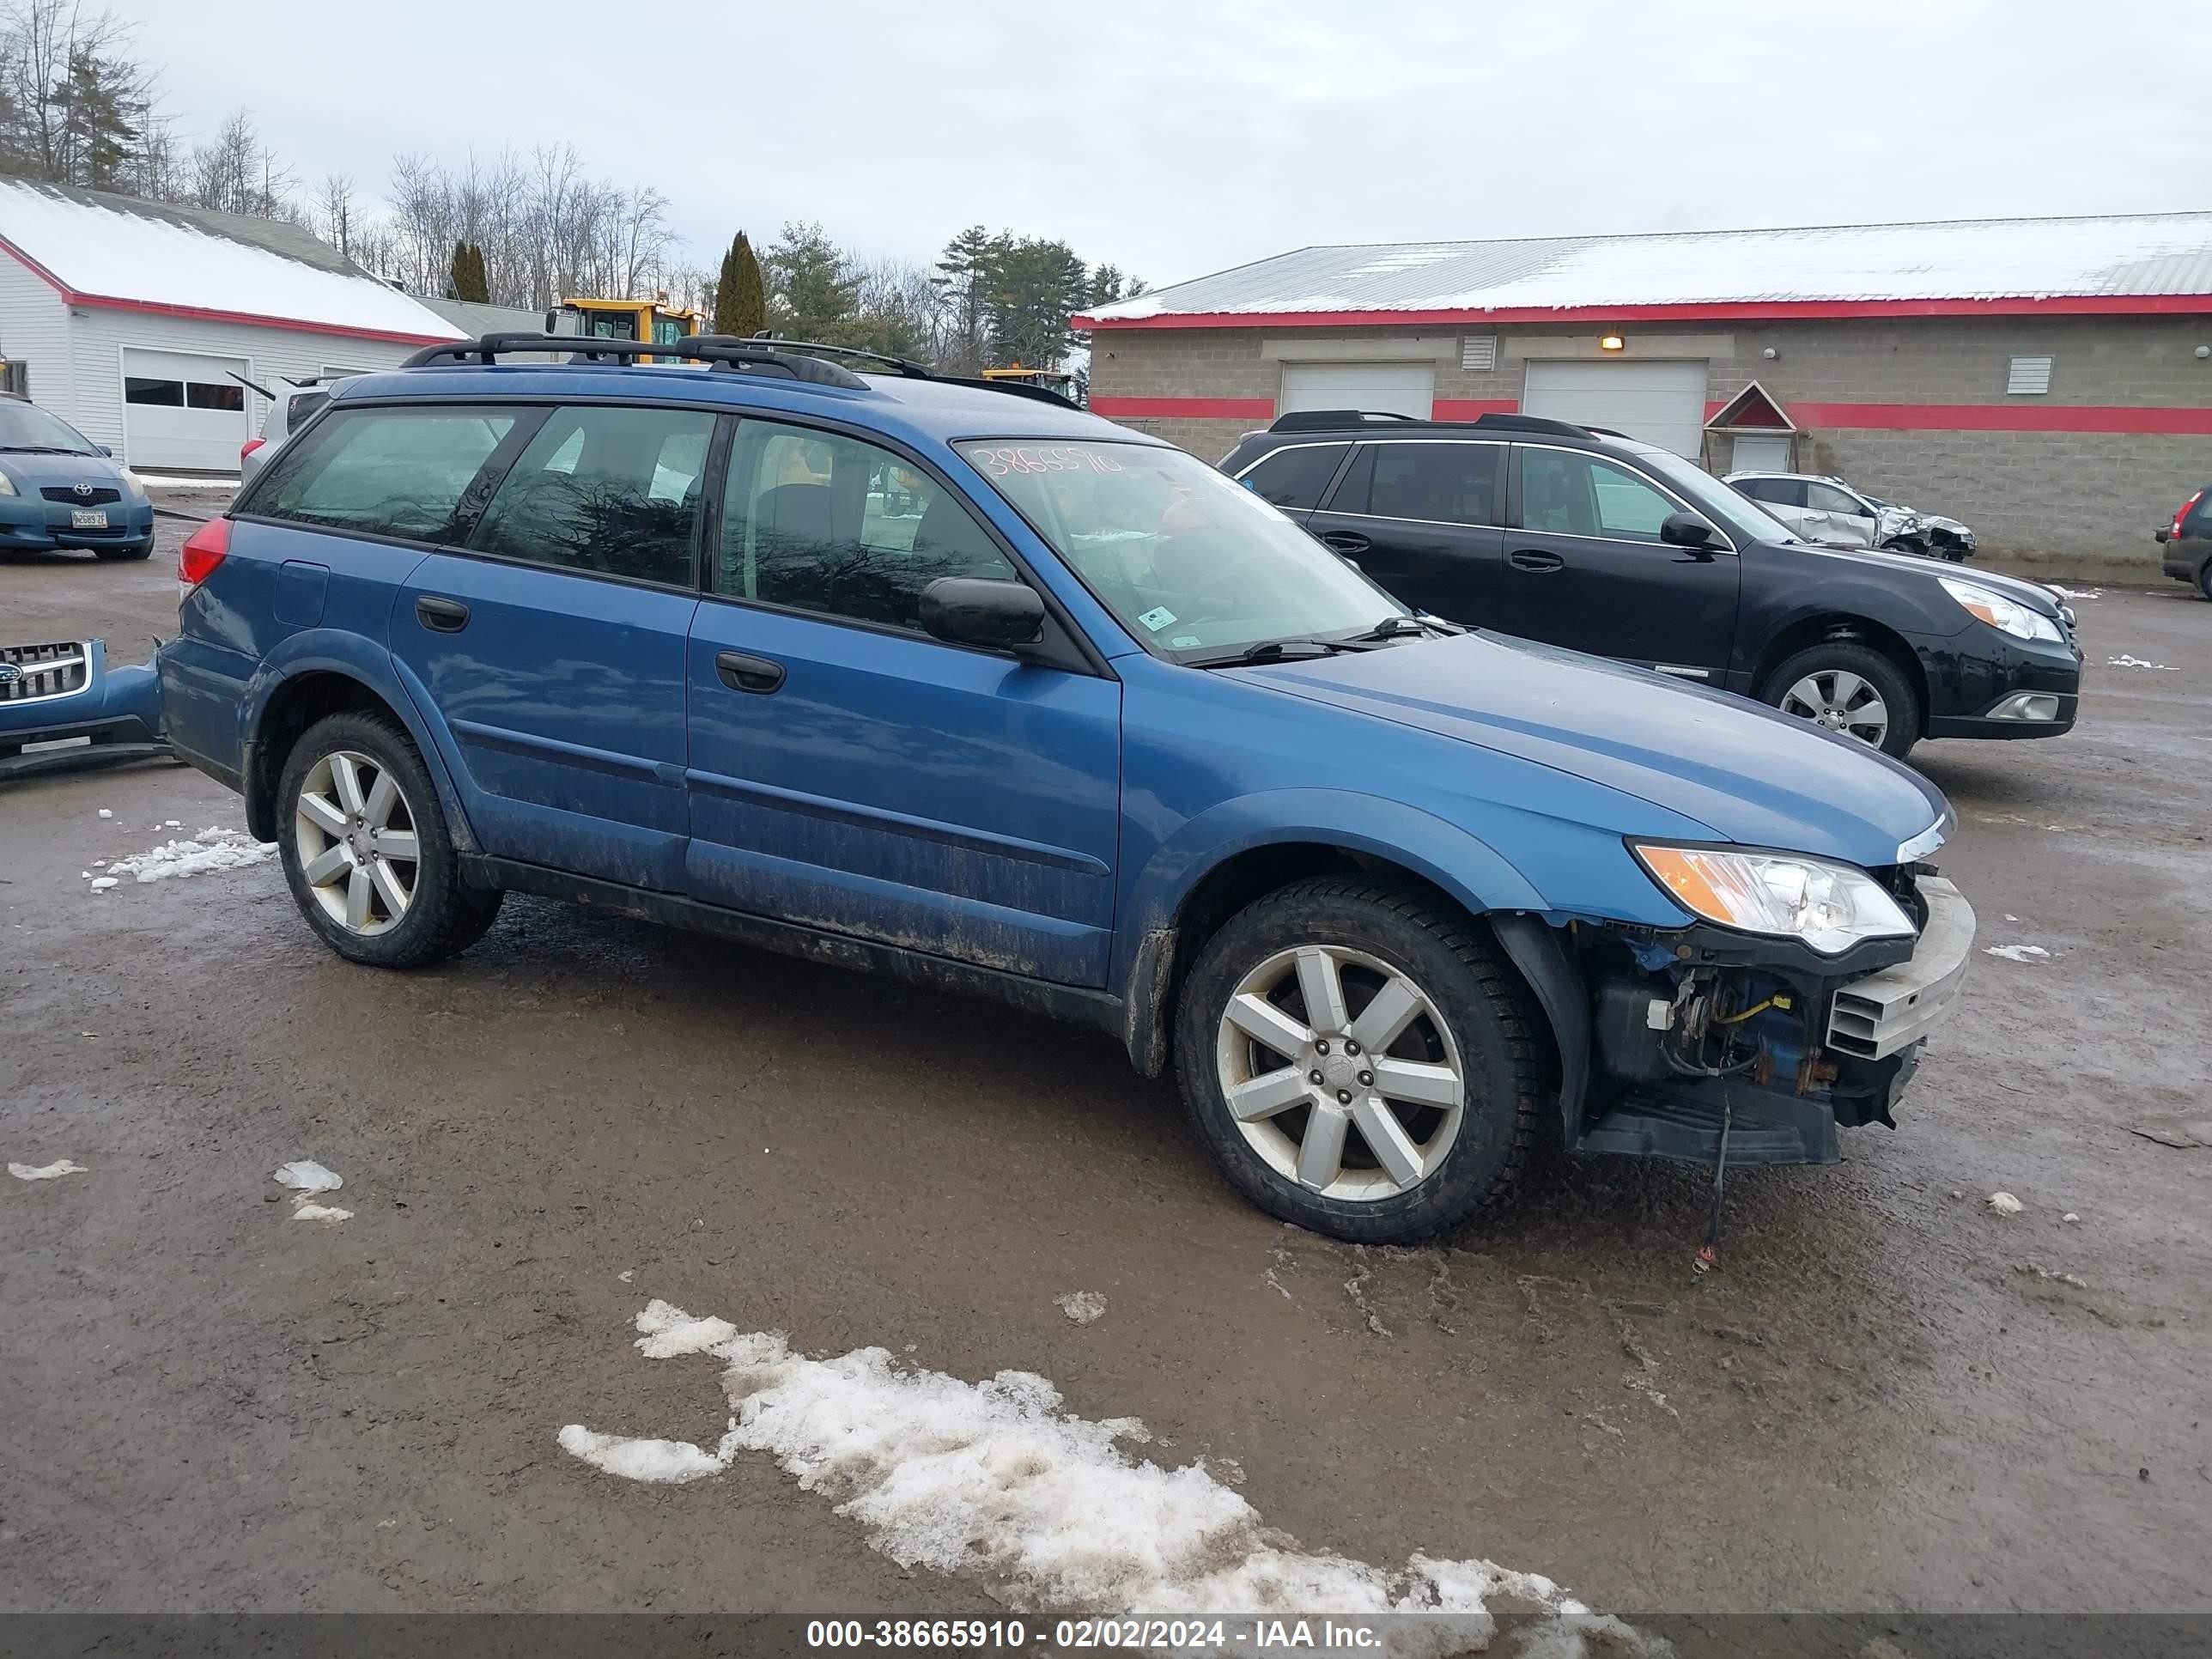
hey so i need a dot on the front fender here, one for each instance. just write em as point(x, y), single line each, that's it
point(334, 651)
point(1470, 870)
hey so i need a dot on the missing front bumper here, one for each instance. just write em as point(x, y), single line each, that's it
point(1874, 1018)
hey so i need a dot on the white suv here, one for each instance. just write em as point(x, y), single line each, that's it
point(1824, 510)
point(291, 406)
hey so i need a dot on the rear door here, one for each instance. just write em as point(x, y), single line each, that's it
point(1784, 500)
point(1584, 566)
point(1296, 477)
point(1837, 515)
point(552, 642)
point(1421, 516)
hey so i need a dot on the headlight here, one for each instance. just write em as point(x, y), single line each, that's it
point(7, 484)
point(1831, 906)
point(2006, 615)
point(133, 485)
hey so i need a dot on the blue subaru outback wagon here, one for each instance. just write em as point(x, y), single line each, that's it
point(959, 683)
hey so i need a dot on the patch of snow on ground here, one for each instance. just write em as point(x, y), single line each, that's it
point(308, 1176)
point(213, 848)
point(53, 1172)
point(165, 481)
point(307, 1210)
point(2069, 594)
point(2015, 952)
point(996, 1479)
point(1081, 1306)
point(2124, 661)
point(104, 813)
point(2005, 1204)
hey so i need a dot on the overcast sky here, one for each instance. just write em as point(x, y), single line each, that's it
point(1175, 137)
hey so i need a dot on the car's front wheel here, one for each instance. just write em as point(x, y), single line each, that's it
point(1359, 1061)
point(1852, 688)
point(366, 850)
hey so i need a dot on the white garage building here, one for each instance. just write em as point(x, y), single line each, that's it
point(129, 318)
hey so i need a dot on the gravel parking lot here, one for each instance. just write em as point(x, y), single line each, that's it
point(1886, 1397)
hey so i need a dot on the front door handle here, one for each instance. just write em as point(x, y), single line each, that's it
point(1530, 558)
point(742, 672)
point(1345, 541)
point(441, 615)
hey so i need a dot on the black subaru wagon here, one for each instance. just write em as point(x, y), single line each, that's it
point(1592, 540)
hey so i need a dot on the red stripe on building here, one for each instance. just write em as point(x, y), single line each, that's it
point(2077, 305)
point(1187, 408)
point(1468, 409)
point(2004, 418)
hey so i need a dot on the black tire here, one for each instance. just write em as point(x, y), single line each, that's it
point(2204, 579)
point(1446, 955)
point(1900, 545)
point(1888, 680)
point(444, 915)
point(120, 555)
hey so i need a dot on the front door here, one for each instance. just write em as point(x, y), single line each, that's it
point(1420, 516)
point(553, 643)
point(1584, 568)
point(850, 773)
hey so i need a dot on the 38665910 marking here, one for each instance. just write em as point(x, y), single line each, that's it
point(1012, 1633)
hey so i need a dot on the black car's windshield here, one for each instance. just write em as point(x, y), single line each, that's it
point(1731, 509)
point(1189, 562)
point(25, 426)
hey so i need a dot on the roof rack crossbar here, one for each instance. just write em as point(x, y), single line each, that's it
point(1331, 420)
point(1533, 423)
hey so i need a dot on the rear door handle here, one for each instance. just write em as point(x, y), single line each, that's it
point(1344, 541)
point(441, 615)
point(741, 672)
point(1529, 558)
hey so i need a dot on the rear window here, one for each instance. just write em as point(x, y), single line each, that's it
point(1444, 482)
point(302, 408)
point(389, 471)
point(1294, 477)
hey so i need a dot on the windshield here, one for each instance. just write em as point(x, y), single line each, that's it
point(1730, 508)
point(24, 426)
point(1189, 562)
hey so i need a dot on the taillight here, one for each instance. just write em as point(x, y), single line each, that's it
point(249, 446)
point(2182, 512)
point(202, 551)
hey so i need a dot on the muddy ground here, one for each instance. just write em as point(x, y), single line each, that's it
point(1885, 1398)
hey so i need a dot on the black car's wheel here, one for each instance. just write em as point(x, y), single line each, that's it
point(118, 555)
point(2204, 579)
point(1848, 688)
point(366, 850)
point(1357, 1062)
point(1900, 545)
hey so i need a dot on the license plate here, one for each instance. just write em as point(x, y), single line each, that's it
point(87, 518)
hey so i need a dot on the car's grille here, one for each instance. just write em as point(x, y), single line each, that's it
point(29, 671)
point(70, 496)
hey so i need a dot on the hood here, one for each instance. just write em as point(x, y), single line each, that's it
point(30, 473)
point(1752, 774)
point(2034, 595)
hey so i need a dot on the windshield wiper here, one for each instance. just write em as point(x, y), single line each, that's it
point(1302, 647)
point(40, 449)
point(1406, 628)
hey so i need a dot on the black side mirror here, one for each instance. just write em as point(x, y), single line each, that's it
point(107, 450)
point(974, 611)
point(1686, 529)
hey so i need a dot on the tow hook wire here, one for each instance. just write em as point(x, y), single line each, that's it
point(1708, 1255)
point(1779, 1000)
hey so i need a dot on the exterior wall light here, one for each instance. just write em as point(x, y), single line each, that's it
point(1611, 342)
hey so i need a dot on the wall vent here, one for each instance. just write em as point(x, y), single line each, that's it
point(2028, 377)
point(1479, 352)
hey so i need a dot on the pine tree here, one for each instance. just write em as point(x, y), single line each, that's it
point(101, 137)
point(481, 291)
point(466, 280)
point(749, 297)
point(457, 273)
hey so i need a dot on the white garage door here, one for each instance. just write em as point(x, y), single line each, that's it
point(1385, 388)
point(1663, 404)
point(181, 409)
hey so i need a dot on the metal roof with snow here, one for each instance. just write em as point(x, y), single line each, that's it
point(2124, 263)
point(101, 250)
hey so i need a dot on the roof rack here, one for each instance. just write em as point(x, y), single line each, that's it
point(718, 350)
point(1534, 423)
point(1333, 420)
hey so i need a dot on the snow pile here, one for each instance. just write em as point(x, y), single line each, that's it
point(2005, 1204)
point(304, 1210)
point(53, 1172)
point(2124, 661)
point(308, 1176)
point(2069, 594)
point(2015, 952)
point(996, 1479)
point(1081, 1306)
point(213, 848)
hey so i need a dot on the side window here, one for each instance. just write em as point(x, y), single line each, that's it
point(1575, 495)
point(606, 490)
point(1446, 483)
point(1294, 479)
point(820, 522)
point(1781, 492)
point(1826, 498)
point(384, 472)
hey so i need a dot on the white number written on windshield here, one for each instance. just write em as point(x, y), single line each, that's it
point(1067, 458)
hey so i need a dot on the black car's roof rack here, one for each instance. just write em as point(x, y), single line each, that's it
point(759, 353)
point(1534, 423)
point(1332, 420)
point(1339, 420)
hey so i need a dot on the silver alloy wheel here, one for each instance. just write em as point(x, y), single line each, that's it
point(1340, 1073)
point(1840, 701)
point(354, 833)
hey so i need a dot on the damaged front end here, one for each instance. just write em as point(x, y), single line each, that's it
point(1705, 1042)
point(63, 708)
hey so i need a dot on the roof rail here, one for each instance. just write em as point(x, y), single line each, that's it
point(1534, 423)
point(904, 366)
point(721, 350)
point(1040, 394)
point(1333, 420)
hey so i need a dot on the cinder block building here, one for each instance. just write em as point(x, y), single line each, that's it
point(2049, 381)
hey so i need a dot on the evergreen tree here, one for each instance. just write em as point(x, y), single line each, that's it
point(466, 279)
point(963, 281)
point(101, 136)
point(456, 272)
point(749, 308)
point(725, 291)
point(816, 296)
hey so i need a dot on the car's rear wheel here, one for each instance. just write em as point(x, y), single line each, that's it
point(1900, 545)
point(365, 849)
point(1852, 689)
point(118, 555)
point(1357, 1062)
point(2204, 579)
